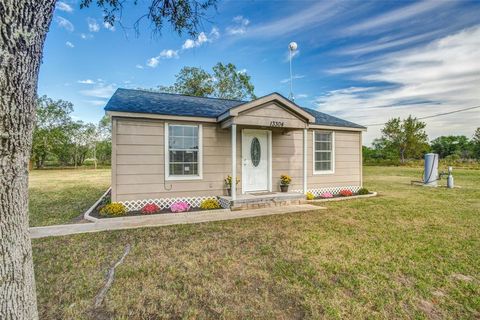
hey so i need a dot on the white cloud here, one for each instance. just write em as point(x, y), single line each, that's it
point(69, 44)
point(188, 44)
point(441, 76)
point(153, 62)
point(301, 96)
point(86, 81)
point(214, 34)
point(391, 18)
point(62, 6)
point(164, 54)
point(201, 39)
point(65, 23)
point(139, 66)
point(85, 36)
point(239, 26)
point(97, 103)
point(168, 54)
point(100, 91)
point(93, 26)
point(387, 43)
point(307, 18)
point(108, 26)
point(297, 76)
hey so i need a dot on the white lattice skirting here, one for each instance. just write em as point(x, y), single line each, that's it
point(164, 203)
point(333, 190)
point(224, 203)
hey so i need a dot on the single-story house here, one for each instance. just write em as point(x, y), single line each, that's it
point(167, 147)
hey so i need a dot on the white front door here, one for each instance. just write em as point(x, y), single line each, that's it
point(255, 160)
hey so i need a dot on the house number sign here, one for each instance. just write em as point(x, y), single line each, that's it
point(276, 124)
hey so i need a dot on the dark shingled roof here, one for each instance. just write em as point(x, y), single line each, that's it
point(328, 120)
point(140, 101)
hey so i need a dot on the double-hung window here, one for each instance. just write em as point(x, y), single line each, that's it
point(323, 152)
point(183, 151)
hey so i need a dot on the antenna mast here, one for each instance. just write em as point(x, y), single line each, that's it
point(292, 47)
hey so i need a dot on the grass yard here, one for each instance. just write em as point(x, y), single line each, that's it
point(412, 252)
point(58, 196)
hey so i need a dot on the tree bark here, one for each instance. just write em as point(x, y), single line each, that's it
point(23, 27)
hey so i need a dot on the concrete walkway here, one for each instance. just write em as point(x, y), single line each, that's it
point(163, 220)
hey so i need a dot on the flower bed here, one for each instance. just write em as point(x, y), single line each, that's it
point(344, 194)
point(108, 209)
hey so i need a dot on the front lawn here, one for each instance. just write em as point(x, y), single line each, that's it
point(57, 196)
point(411, 252)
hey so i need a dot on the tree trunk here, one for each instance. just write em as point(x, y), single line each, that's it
point(95, 154)
point(42, 161)
point(23, 27)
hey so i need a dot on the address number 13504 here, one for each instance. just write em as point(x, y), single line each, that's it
point(276, 124)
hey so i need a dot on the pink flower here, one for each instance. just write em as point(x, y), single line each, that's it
point(326, 195)
point(180, 206)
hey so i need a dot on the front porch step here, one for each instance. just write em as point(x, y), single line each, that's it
point(244, 202)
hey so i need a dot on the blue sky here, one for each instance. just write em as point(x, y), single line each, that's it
point(362, 61)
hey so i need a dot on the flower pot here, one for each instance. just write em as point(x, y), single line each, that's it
point(284, 188)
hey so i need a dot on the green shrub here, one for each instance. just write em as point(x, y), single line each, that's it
point(363, 191)
point(310, 196)
point(89, 162)
point(113, 209)
point(209, 204)
point(106, 200)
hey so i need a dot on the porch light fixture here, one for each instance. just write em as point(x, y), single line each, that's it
point(292, 47)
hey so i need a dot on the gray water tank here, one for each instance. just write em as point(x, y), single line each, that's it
point(430, 173)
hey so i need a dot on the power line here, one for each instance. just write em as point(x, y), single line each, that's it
point(431, 116)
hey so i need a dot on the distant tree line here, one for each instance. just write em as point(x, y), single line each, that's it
point(60, 141)
point(404, 140)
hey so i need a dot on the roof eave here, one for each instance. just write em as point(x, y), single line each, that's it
point(140, 115)
point(334, 127)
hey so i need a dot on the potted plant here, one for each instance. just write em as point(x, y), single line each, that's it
point(285, 182)
point(228, 184)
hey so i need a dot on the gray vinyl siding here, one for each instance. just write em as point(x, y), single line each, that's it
point(138, 160)
point(348, 169)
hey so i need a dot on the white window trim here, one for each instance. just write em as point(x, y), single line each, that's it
point(169, 177)
point(318, 172)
